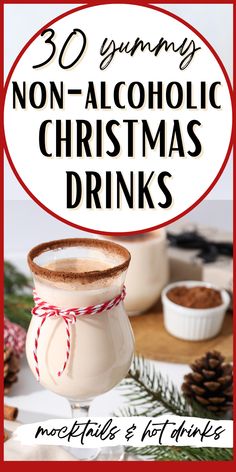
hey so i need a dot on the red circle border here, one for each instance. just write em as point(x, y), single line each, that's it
point(129, 233)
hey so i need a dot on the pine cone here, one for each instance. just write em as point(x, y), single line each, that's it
point(11, 367)
point(211, 383)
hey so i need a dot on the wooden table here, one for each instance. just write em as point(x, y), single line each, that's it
point(153, 341)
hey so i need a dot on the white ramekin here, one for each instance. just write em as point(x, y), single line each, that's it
point(193, 324)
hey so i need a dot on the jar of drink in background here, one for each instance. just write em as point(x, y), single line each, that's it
point(148, 271)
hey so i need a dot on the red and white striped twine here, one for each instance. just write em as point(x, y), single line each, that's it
point(44, 310)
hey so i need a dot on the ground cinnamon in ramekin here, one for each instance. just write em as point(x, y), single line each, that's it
point(195, 297)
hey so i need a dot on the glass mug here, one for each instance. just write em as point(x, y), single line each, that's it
point(81, 273)
point(148, 271)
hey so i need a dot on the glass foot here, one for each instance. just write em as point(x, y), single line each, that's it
point(136, 313)
point(114, 453)
point(82, 454)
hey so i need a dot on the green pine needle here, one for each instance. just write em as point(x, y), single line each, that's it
point(18, 300)
point(17, 308)
point(14, 281)
point(184, 453)
point(148, 393)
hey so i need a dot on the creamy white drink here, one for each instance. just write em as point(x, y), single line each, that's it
point(148, 271)
point(102, 344)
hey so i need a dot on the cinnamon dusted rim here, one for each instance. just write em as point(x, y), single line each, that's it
point(85, 277)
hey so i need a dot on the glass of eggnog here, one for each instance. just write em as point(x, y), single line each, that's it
point(79, 343)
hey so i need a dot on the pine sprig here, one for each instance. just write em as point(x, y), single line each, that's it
point(18, 300)
point(14, 281)
point(17, 308)
point(184, 453)
point(145, 386)
point(148, 393)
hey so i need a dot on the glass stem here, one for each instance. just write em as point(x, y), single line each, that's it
point(115, 453)
point(79, 410)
